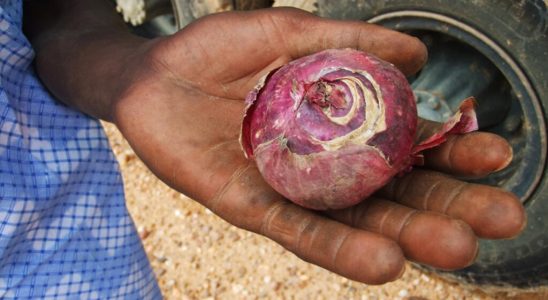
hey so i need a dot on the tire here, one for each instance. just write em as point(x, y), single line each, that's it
point(517, 33)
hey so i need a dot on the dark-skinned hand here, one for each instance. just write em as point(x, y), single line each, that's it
point(183, 118)
point(181, 106)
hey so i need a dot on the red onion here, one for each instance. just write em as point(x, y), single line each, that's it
point(329, 129)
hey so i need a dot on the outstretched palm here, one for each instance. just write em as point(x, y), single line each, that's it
point(182, 116)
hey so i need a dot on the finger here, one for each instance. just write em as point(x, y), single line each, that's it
point(356, 254)
point(353, 253)
point(474, 155)
point(424, 237)
point(306, 34)
point(491, 212)
point(471, 155)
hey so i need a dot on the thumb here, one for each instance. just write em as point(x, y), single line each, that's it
point(311, 34)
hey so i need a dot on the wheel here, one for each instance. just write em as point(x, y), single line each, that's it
point(496, 51)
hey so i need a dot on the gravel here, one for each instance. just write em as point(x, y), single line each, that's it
point(197, 255)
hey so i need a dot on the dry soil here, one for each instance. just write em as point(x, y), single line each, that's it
point(197, 255)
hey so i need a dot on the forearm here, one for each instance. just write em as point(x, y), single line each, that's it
point(83, 52)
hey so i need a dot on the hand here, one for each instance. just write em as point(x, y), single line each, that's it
point(182, 114)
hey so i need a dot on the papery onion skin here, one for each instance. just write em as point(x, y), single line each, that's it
point(316, 146)
point(329, 129)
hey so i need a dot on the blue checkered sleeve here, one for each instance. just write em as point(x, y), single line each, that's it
point(65, 232)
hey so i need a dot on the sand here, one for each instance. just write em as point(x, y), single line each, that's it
point(197, 255)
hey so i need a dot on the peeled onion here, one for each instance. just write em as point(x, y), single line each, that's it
point(329, 129)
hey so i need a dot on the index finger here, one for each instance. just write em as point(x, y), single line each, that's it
point(306, 34)
point(471, 155)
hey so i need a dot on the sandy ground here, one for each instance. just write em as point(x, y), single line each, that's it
point(197, 255)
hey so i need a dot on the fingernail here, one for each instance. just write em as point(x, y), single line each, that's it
point(402, 271)
point(507, 161)
point(476, 254)
point(524, 224)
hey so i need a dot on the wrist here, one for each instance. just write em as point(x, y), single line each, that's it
point(86, 56)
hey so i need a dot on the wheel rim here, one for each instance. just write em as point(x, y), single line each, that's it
point(524, 126)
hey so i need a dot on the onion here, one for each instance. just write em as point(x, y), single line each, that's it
point(329, 129)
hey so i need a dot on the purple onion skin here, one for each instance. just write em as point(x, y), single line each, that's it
point(329, 129)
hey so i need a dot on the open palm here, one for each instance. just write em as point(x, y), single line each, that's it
point(182, 115)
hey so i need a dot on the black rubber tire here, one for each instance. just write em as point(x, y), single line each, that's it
point(521, 29)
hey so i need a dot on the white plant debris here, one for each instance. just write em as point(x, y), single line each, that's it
point(308, 5)
point(133, 11)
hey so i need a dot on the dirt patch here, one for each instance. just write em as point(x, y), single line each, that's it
point(197, 255)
